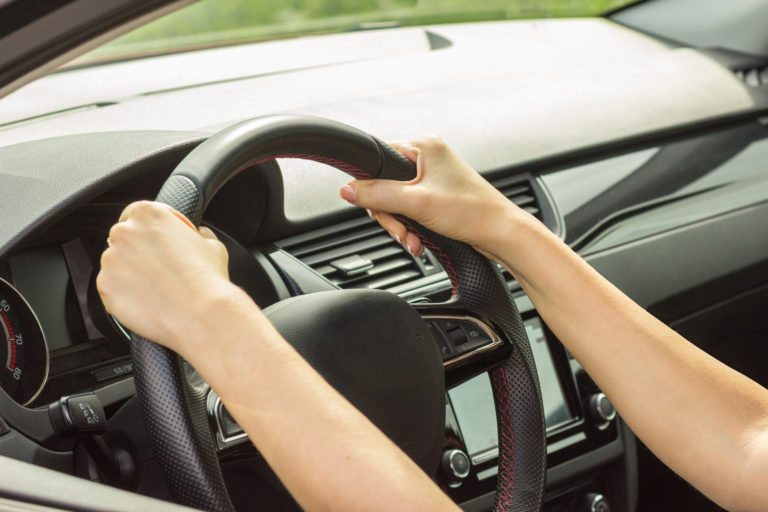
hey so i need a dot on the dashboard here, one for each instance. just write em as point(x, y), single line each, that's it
point(667, 199)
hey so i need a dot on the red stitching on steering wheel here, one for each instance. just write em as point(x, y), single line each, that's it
point(441, 256)
point(506, 490)
point(344, 166)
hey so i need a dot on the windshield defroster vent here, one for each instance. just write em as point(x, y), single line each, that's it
point(358, 254)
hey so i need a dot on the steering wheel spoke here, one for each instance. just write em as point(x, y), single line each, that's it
point(469, 343)
point(226, 432)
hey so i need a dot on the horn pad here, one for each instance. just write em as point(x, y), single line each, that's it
point(375, 349)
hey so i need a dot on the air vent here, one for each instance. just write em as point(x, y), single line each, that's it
point(754, 77)
point(519, 192)
point(358, 254)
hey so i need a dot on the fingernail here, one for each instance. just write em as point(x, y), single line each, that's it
point(347, 193)
point(408, 246)
point(396, 237)
point(369, 212)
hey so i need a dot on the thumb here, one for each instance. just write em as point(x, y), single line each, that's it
point(380, 195)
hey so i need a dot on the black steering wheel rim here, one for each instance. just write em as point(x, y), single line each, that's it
point(175, 413)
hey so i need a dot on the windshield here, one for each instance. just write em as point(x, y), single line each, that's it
point(211, 23)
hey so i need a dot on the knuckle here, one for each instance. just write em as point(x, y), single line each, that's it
point(220, 248)
point(432, 144)
point(376, 196)
point(368, 195)
point(148, 210)
point(119, 232)
point(102, 285)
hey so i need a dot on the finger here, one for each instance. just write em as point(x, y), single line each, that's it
point(409, 151)
point(393, 226)
point(413, 244)
point(129, 210)
point(400, 233)
point(431, 144)
point(182, 218)
point(118, 234)
point(378, 195)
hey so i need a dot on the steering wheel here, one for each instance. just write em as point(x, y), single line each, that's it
point(371, 345)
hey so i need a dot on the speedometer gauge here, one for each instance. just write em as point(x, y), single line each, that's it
point(23, 350)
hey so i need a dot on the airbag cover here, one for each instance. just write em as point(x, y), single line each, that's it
point(374, 349)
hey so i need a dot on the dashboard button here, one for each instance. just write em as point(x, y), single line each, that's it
point(594, 502)
point(476, 334)
point(454, 466)
point(456, 336)
point(601, 409)
point(446, 350)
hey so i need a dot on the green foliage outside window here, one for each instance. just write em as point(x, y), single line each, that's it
point(215, 22)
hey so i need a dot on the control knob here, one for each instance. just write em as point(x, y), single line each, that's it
point(595, 502)
point(601, 409)
point(454, 466)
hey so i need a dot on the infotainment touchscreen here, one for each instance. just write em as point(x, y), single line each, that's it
point(473, 401)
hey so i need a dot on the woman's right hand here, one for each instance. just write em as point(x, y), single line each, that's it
point(447, 196)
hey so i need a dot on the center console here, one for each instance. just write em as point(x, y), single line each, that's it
point(590, 452)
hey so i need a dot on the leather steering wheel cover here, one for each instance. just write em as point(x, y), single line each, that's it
point(477, 286)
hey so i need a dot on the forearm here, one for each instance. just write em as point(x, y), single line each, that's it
point(302, 425)
point(704, 420)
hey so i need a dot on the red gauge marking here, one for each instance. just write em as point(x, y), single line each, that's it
point(11, 341)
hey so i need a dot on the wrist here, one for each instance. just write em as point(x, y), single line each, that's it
point(518, 240)
point(194, 333)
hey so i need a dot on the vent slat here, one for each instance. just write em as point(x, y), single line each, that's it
point(522, 200)
point(394, 279)
point(358, 247)
point(532, 210)
point(515, 190)
point(519, 192)
point(754, 77)
point(374, 274)
point(328, 243)
point(363, 237)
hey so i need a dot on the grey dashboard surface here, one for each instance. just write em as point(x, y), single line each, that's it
point(42, 179)
point(617, 200)
point(501, 93)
